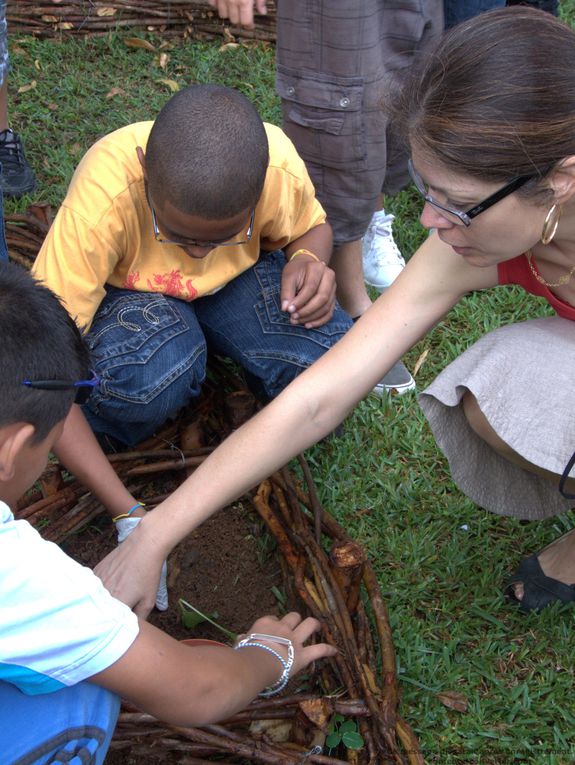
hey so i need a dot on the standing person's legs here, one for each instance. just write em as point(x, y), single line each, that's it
point(73, 725)
point(324, 79)
point(336, 61)
point(244, 321)
point(150, 354)
point(346, 261)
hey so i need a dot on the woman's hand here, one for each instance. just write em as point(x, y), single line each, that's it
point(131, 572)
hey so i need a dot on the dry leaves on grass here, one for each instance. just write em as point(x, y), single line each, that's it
point(453, 700)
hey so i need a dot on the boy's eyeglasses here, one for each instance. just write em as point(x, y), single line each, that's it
point(465, 217)
point(83, 387)
point(194, 242)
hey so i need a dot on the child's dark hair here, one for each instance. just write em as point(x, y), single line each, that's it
point(39, 342)
point(207, 152)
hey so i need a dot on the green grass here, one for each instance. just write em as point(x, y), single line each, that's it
point(441, 561)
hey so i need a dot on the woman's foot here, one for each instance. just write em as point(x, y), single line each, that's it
point(547, 576)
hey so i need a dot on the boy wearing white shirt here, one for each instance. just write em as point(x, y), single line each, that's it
point(68, 649)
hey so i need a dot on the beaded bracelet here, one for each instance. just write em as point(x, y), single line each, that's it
point(252, 641)
point(304, 252)
point(129, 513)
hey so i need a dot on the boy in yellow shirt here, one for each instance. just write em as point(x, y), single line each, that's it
point(198, 231)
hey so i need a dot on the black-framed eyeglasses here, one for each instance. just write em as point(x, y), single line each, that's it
point(466, 216)
point(195, 243)
point(83, 387)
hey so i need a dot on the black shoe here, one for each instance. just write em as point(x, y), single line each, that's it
point(16, 175)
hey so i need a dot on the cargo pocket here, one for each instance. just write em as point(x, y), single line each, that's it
point(323, 117)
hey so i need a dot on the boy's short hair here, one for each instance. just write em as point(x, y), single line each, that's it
point(39, 341)
point(207, 153)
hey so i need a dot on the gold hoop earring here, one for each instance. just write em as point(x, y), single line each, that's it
point(551, 223)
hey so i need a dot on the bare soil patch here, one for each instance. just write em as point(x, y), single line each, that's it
point(225, 568)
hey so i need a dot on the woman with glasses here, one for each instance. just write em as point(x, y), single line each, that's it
point(490, 122)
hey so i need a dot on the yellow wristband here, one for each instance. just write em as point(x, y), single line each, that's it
point(303, 252)
point(129, 513)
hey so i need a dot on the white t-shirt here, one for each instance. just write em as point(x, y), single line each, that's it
point(58, 624)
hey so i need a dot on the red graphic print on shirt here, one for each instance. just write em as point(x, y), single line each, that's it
point(171, 284)
point(131, 280)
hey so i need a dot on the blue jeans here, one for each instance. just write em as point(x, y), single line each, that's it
point(3, 245)
point(150, 350)
point(73, 725)
point(456, 11)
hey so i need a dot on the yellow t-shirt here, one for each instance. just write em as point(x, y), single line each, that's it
point(103, 231)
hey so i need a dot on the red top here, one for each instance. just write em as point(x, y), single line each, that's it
point(517, 271)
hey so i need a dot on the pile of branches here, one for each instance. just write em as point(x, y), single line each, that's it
point(25, 233)
point(326, 575)
point(198, 20)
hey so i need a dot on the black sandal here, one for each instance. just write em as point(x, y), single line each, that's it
point(539, 590)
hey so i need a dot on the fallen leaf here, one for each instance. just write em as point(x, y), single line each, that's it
point(138, 42)
point(50, 481)
point(278, 731)
point(49, 19)
point(453, 700)
point(115, 92)
point(420, 361)
point(172, 84)
point(52, 106)
point(227, 46)
point(163, 60)
point(318, 711)
point(37, 64)
point(75, 148)
point(65, 25)
point(26, 88)
point(106, 11)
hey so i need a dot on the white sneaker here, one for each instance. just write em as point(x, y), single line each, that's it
point(397, 381)
point(382, 260)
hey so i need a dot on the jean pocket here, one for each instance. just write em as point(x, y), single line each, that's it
point(133, 325)
point(141, 344)
point(323, 116)
point(280, 337)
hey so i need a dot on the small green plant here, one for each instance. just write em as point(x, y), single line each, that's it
point(342, 731)
point(280, 596)
point(192, 617)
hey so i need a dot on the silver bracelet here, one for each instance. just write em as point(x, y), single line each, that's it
point(252, 641)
